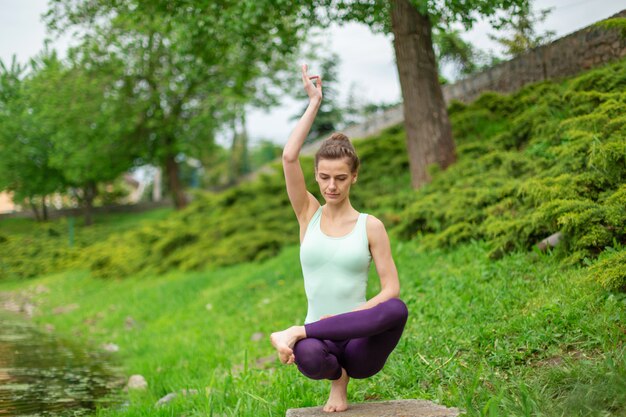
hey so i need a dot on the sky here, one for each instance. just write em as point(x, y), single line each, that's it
point(367, 62)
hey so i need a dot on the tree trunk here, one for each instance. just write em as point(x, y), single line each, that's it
point(156, 187)
point(44, 209)
point(33, 207)
point(173, 178)
point(89, 193)
point(233, 169)
point(245, 157)
point(429, 136)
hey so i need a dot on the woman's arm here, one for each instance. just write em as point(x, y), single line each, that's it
point(301, 200)
point(380, 248)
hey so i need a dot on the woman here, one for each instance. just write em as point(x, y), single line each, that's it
point(344, 335)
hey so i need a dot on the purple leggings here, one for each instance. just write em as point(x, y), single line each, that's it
point(358, 341)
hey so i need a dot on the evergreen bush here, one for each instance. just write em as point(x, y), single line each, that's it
point(548, 158)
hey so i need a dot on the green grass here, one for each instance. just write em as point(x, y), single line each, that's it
point(519, 336)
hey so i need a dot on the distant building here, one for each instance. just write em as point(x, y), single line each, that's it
point(6, 202)
point(135, 188)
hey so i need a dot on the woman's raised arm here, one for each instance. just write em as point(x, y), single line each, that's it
point(302, 201)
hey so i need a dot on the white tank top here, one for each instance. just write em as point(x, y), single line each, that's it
point(335, 269)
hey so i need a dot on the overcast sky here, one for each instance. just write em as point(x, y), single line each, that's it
point(366, 60)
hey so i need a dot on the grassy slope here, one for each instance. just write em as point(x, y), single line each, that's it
point(523, 335)
point(518, 336)
point(549, 158)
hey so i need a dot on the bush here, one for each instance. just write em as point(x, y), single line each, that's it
point(609, 271)
point(551, 157)
point(530, 165)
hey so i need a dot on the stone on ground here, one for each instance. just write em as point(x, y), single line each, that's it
point(168, 398)
point(398, 408)
point(137, 382)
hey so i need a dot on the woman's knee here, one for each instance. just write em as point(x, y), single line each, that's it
point(311, 358)
point(395, 311)
point(399, 309)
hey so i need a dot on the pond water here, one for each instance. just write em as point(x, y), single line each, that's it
point(42, 375)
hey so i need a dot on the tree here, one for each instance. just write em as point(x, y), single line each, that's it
point(523, 28)
point(63, 126)
point(25, 145)
point(187, 65)
point(450, 48)
point(239, 159)
point(264, 152)
point(429, 136)
point(79, 110)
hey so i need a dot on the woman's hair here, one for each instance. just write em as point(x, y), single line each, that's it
point(338, 146)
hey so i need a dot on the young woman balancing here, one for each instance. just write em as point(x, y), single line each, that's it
point(344, 335)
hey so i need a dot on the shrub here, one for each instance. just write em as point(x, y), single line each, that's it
point(609, 271)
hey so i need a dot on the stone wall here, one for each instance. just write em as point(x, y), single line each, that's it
point(577, 52)
point(371, 126)
point(567, 56)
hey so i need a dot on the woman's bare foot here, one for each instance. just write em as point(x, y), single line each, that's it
point(285, 340)
point(338, 399)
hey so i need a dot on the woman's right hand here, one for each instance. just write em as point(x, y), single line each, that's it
point(314, 91)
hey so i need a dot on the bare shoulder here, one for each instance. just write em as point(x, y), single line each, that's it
point(375, 229)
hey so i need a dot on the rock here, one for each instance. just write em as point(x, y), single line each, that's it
point(137, 382)
point(90, 321)
point(169, 397)
point(11, 306)
point(261, 362)
point(256, 336)
point(65, 309)
point(398, 408)
point(550, 242)
point(111, 347)
point(124, 406)
point(41, 289)
point(29, 309)
point(130, 323)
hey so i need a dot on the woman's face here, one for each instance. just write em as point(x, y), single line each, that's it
point(334, 178)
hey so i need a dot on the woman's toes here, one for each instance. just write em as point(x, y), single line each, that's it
point(285, 355)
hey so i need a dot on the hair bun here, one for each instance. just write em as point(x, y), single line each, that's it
point(338, 136)
point(338, 146)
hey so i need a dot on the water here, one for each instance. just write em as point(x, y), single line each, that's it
point(42, 375)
